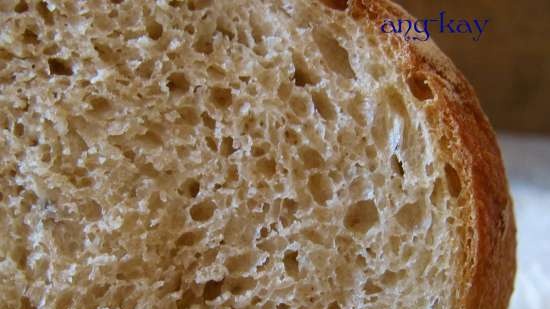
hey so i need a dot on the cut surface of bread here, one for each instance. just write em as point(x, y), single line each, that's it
point(242, 154)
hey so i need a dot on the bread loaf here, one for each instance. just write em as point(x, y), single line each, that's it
point(242, 154)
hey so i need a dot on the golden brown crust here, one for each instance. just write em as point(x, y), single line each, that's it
point(469, 145)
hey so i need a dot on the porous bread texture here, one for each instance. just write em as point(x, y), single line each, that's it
point(217, 154)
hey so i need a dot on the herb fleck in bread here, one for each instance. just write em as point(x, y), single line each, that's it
point(234, 154)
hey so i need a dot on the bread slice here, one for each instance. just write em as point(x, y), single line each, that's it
point(242, 154)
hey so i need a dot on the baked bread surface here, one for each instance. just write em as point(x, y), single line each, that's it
point(468, 140)
point(270, 154)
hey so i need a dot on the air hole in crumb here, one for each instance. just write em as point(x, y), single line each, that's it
point(150, 139)
point(211, 143)
point(215, 72)
point(146, 69)
point(188, 239)
point(340, 5)
point(438, 192)
point(189, 29)
point(153, 202)
point(177, 83)
point(224, 26)
point(212, 289)
point(18, 129)
point(311, 157)
point(175, 3)
point(104, 51)
point(371, 288)
point(4, 122)
point(238, 286)
point(244, 79)
point(154, 29)
point(266, 166)
point(283, 306)
point(300, 106)
point(232, 174)
point(241, 263)
point(290, 261)
point(117, 1)
point(302, 74)
point(390, 278)
point(204, 43)
point(333, 305)
point(59, 67)
point(320, 187)
point(42, 8)
point(226, 146)
point(361, 261)
point(189, 115)
point(194, 5)
point(84, 182)
point(30, 37)
point(203, 211)
point(221, 97)
point(100, 106)
point(334, 55)
point(99, 290)
point(129, 154)
point(285, 90)
point(453, 180)
point(291, 136)
point(25, 303)
point(208, 121)
point(51, 49)
point(68, 237)
point(361, 216)
point(19, 255)
point(188, 299)
point(91, 210)
point(397, 165)
point(314, 236)
point(32, 141)
point(260, 150)
point(264, 232)
point(419, 87)
point(190, 188)
point(64, 301)
point(411, 215)
point(323, 105)
point(21, 7)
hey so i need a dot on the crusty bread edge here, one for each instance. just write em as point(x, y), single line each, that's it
point(471, 147)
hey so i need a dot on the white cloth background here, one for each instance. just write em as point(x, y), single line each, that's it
point(527, 161)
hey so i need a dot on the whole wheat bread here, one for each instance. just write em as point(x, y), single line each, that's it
point(242, 154)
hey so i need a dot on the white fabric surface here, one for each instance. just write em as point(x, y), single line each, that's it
point(527, 161)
